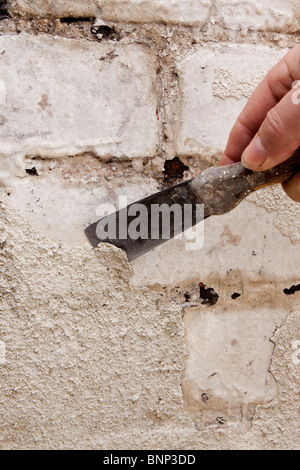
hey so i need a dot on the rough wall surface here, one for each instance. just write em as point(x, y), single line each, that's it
point(185, 348)
point(68, 86)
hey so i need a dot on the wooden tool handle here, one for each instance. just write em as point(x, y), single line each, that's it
point(222, 188)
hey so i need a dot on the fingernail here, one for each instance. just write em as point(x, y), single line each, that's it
point(255, 154)
point(226, 160)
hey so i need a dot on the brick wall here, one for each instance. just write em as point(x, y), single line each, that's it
point(97, 99)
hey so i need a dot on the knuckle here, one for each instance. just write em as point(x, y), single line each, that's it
point(273, 124)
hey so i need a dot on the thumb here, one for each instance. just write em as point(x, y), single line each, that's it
point(278, 136)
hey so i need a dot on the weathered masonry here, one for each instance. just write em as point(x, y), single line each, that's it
point(182, 348)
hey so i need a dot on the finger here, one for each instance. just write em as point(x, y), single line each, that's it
point(292, 188)
point(278, 137)
point(239, 138)
point(226, 161)
point(270, 91)
point(249, 121)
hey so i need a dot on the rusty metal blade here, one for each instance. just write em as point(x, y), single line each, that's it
point(180, 194)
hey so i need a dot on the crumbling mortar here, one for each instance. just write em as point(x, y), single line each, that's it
point(225, 287)
point(170, 43)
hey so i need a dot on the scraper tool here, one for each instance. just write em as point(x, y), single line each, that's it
point(217, 189)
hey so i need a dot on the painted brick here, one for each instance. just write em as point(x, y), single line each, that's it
point(60, 8)
point(169, 11)
point(215, 84)
point(141, 11)
point(277, 15)
point(223, 350)
point(266, 15)
point(61, 96)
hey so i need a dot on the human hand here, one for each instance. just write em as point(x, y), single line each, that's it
point(267, 131)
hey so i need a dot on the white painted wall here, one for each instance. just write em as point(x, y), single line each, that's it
point(95, 352)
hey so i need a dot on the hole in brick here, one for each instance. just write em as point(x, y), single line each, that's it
point(187, 296)
point(220, 420)
point(104, 32)
point(71, 19)
point(32, 171)
point(235, 295)
point(4, 14)
point(292, 290)
point(208, 295)
point(174, 169)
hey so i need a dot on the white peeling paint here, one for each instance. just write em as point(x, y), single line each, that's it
point(2, 92)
